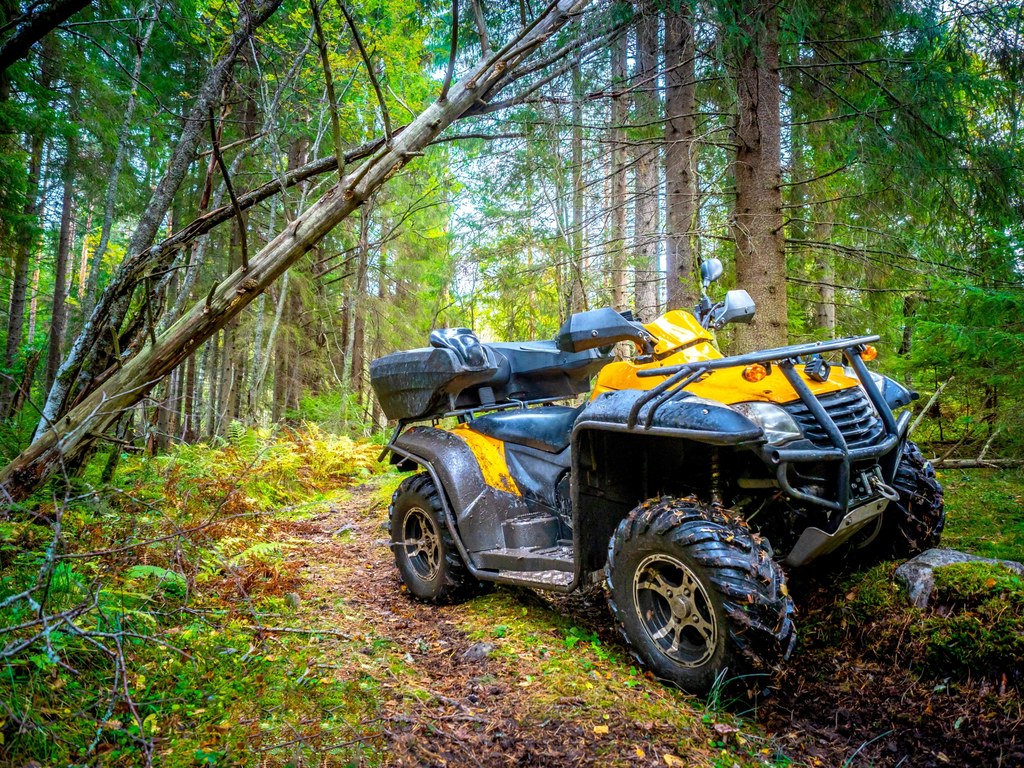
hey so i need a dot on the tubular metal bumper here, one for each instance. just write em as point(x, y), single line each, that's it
point(786, 358)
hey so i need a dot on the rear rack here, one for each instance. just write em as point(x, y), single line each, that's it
point(681, 376)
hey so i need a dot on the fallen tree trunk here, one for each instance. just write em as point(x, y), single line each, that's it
point(979, 463)
point(74, 432)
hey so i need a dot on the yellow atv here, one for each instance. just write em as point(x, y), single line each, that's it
point(668, 483)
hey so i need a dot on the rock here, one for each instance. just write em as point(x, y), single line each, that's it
point(477, 652)
point(918, 578)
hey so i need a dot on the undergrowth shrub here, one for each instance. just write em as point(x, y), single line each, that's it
point(182, 551)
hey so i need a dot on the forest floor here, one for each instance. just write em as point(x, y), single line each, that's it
point(518, 678)
point(265, 625)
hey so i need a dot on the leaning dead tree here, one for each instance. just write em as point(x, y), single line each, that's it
point(125, 384)
point(96, 346)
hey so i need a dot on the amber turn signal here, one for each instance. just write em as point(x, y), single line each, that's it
point(754, 372)
point(869, 353)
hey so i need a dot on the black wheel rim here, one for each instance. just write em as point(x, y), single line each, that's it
point(421, 544)
point(675, 611)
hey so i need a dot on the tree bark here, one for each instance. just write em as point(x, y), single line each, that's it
point(645, 218)
point(59, 316)
point(825, 306)
point(757, 213)
point(22, 256)
point(577, 288)
point(124, 386)
point(617, 199)
point(189, 428)
point(352, 377)
point(33, 26)
point(123, 138)
point(681, 192)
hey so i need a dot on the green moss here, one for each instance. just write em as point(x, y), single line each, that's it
point(976, 622)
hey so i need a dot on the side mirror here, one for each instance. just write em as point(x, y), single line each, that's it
point(738, 307)
point(710, 270)
point(598, 328)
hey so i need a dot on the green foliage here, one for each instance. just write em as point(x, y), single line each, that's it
point(171, 582)
point(986, 512)
point(199, 552)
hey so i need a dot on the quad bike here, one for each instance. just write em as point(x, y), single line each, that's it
point(668, 483)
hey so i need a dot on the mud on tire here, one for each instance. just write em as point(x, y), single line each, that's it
point(915, 521)
point(697, 594)
point(427, 558)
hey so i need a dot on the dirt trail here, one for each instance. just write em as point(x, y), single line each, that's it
point(470, 709)
point(476, 713)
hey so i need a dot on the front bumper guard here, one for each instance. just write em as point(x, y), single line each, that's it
point(786, 358)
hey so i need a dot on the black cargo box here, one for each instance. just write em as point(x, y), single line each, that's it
point(427, 383)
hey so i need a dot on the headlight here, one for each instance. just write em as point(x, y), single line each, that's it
point(778, 426)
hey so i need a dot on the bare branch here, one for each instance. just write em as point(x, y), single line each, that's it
point(481, 28)
point(231, 193)
point(332, 101)
point(450, 71)
point(385, 115)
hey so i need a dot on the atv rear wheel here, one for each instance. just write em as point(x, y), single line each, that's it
point(426, 556)
point(697, 594)
point(914, 522)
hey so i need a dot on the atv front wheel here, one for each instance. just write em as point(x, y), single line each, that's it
point(914, 522)
point(697, 594)
point(426, 556)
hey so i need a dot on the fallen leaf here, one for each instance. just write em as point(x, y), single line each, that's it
point(601, 730)
point(676, 762)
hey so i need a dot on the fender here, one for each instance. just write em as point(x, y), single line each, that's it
point(696, 419)
point(479, 508)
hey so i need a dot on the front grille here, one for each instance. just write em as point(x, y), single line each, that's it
point(852, 413)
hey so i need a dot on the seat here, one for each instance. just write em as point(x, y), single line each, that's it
point(547, 428)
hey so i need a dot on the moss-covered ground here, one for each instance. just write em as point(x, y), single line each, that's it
point(240, 607)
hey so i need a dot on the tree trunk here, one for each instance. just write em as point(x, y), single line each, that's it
point(174, 410)
point(59, 317)
point(213, 379)
point(19, 285)
point(31, 27)
point(757, 214)
point(124, 386)
point(617, 199)
point(681, 192)
point(83, 261)
point(645, 218)
point(577, 289)
point(190, 428)
point(355, 345)
point(88, 298)
point(825, 306)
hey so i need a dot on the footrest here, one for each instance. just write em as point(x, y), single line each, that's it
point(526, 559)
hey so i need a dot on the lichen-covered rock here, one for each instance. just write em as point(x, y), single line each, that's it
point(917, 575)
